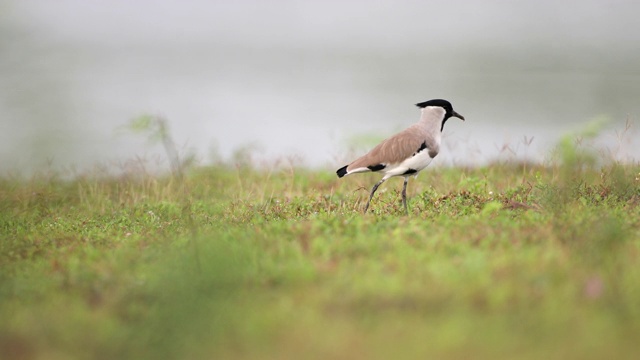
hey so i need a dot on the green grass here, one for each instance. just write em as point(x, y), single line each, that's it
point(504, 261)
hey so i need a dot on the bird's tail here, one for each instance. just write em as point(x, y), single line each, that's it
point(342, 171)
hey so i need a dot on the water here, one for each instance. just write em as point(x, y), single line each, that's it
point(309, 79)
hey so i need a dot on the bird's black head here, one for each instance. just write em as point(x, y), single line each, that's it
point(448, 108)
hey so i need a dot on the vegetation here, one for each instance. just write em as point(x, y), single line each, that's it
point(508, 260)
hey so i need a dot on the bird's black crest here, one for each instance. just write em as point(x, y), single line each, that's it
point(377, 167)
point(342, 171)
point(436, 102)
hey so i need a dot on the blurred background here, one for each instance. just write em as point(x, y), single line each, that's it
point(307, 80)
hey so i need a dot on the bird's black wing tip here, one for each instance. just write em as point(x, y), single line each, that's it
point(342, 171)
point(377, 167)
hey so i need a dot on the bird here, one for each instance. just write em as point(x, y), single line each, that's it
point(407, 152)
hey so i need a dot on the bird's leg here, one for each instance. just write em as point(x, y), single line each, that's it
point(373, 191)
point(404, 194)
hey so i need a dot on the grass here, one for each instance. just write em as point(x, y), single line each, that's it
point(504, 261)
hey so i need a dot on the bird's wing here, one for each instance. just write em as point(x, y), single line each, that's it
point(394, 149)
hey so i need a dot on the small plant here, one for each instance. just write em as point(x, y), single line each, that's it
point(157, 130)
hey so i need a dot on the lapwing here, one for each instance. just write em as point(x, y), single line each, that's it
point(407, 152)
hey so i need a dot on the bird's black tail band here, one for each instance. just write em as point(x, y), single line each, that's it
point(342, 171)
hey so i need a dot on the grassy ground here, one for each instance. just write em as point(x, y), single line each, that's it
point(506, 261)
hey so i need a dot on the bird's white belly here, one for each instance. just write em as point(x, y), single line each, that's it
point(417, 162)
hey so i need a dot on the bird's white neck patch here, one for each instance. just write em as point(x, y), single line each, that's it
point(433, 115)
point(435, 111)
